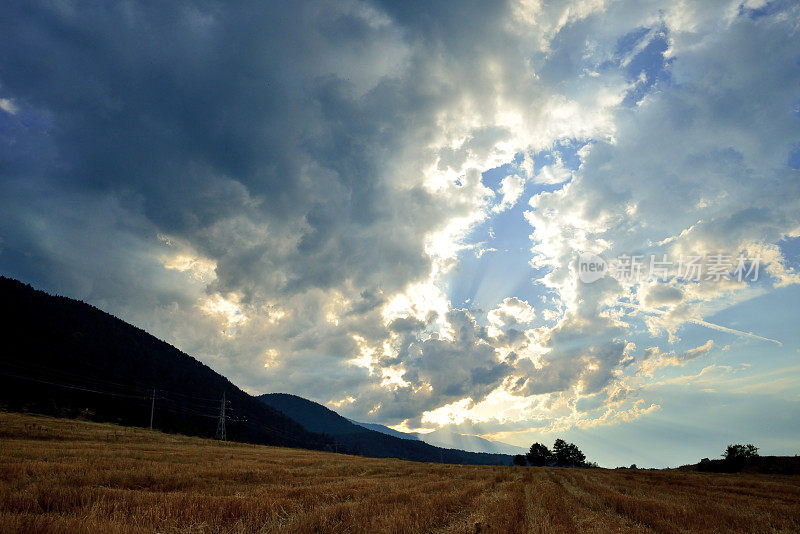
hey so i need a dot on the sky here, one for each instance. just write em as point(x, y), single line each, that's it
point(390, 207)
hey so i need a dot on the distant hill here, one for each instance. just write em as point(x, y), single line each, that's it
point(317, 418)
point(467, 442)
point(64, 357)
point(450, 440)
point(388, 431)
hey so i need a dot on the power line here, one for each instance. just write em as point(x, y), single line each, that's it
point(87, 381)
point(151, 397)
point(70, 386)
point(166, 403)
point(192, 397)
point(101, 384)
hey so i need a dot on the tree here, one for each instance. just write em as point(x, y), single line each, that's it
point(519, 459)
point(568, 454)
point(739, 452)
point(563, 455)
point(737, 456)
point(539, 455)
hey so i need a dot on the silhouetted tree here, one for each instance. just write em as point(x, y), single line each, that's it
point(736, 456)
point(568, 454)
point(740, 452)
point(519, 459)
point(539, 455)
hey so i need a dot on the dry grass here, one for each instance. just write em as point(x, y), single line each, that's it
point(70, 476)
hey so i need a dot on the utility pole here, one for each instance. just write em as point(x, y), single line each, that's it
point(221, 425)
point(152, 407)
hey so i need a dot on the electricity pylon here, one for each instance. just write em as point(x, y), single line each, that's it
point(221, 425)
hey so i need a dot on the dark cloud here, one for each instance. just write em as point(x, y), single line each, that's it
point(226, 128)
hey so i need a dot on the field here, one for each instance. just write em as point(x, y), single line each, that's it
point(60, 475)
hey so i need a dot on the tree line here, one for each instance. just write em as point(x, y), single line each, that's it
point(566, 454)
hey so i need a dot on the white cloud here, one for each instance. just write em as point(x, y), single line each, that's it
point(7, 105)
point(511, 188)
point(553, 174)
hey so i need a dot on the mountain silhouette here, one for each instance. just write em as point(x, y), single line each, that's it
point(64, 357)
point(317, 418)
point(388, 431)
point(450, 440)
point(469, 442)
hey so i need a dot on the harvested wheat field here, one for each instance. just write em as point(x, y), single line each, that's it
point(61, 475)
